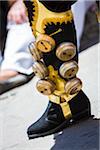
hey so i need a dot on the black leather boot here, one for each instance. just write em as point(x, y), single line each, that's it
point(56, 64)
point(53, 120)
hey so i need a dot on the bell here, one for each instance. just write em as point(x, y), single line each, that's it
point(73, 86)
point(45, 87)
point(45, 43)
point(40, 69)
point(68, 69)
point(36, 54)
point(66, 51)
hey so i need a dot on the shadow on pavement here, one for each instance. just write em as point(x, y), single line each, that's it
point(81, 136)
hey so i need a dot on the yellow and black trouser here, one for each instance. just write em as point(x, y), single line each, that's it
point(55, 19)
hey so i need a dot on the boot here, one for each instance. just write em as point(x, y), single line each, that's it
point(56, 64)
point(53, 120)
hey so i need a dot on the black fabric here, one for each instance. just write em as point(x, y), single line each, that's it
point(30, 10)
point(3, 22)
point(68, 34)
point(57, 5)
point(98, 4)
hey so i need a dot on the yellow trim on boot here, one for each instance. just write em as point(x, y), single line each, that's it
point(66, 110)
point(64, 105)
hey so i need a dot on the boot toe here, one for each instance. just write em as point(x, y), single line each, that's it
point(46, 124)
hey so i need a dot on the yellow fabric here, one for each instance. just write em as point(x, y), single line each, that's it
point(60, 84)
point(42, 16)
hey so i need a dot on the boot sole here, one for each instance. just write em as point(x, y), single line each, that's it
point(82, 116)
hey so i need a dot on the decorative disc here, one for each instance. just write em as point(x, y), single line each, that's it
point(45, 43)
point(73, 86)
point(69, 69)
point(40, 69)
point(66, 51)
point(45, 87)
point(36, 54)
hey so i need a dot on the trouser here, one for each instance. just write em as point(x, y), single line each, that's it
point(58, 45)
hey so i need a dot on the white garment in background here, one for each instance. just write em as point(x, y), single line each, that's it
point(79, 10)
point(16, 54)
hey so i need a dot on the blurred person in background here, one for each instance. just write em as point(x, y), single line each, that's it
point(15, 68)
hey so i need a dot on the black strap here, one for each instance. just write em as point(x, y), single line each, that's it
point(57, 5)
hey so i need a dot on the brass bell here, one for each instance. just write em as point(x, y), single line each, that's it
point(45, 43)
point(36, 54)
point(45, 87)
point(68, 69)
point(73, 86)
point(40, 69)
point(66, 51)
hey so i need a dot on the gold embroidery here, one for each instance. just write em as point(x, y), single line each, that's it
point(35, 16)
point(67, 17)
point(40, 22)
point(59, 30)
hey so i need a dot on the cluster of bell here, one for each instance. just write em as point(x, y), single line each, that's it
point(65, 52)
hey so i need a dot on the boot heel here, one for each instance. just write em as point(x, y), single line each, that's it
point(80, 107)
point(82, 115)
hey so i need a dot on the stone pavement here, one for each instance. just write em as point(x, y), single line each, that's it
point(24, 105)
